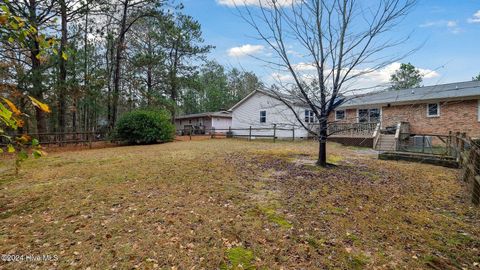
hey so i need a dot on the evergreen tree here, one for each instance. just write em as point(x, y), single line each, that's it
point(408, 76)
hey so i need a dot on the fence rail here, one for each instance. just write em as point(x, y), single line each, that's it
point(467, 152)
point(457, 146)
point(64, 138)
point(250, 133)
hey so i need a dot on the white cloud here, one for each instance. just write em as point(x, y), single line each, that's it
point(371, 78)
point(245, 50)
point(475, 18)
point(451, 25)
point(304, 67)
point(233, 3)
point(282, 77)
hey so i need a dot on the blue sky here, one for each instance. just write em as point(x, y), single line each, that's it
point(448, 29)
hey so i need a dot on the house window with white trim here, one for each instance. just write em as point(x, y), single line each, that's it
point(369, 115)
point(263, 116)
point(309, 116)
point(339, 115)
point(433, 109)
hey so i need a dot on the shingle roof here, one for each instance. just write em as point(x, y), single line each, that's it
point(206, 114)
point(458, 90)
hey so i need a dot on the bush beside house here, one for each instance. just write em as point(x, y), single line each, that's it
point(145, 127)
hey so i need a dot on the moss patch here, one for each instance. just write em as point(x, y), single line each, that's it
point(334, 159)
point(272, 215)
point(239, 258)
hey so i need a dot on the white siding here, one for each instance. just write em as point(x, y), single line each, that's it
point(221, 123)
point(248, 114)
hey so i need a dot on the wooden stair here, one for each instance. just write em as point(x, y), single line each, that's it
point(386, 143)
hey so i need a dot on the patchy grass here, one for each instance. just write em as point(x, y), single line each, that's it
point(223, 203)
point(239, 258)
point(275, 217)
point(334, 159)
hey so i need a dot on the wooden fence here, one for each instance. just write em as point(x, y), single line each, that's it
point(61, 139)
point(467, 152)
point(249, 133)
point(455, 146)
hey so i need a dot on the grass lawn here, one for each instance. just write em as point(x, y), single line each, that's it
point(216, 204)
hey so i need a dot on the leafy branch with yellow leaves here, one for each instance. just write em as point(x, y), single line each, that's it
point(11, 119)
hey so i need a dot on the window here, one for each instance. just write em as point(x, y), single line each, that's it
point(363, 116)
point(263, 116)
point(479, 110)
point(374, 115)
point(433, 110)
point(340, 115)
point(309, 116)
point(369, 115)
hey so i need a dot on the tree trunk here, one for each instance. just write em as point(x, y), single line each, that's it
point(322, 144)
point(62, 78)
point(149, 86)
point(37, 91)
point(118, 65)
point(173, 82)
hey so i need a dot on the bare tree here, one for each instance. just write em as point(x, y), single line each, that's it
point(338, 41)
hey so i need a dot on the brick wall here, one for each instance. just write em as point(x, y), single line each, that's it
point(350, 117)
point(456, 116)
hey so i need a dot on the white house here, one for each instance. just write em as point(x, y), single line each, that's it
point(263, 110)
point(202, 123)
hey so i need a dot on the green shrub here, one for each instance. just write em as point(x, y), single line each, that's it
point(145, 127)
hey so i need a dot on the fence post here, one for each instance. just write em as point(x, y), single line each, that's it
point(293, 134)
point(274, 132)
point(250, 133)
point(190, 134)
point(476, 190)
point(212, 133)
point(90, 135)
point(462, 147)
point(230, 131)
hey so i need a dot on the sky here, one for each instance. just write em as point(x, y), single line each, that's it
point(446, 34)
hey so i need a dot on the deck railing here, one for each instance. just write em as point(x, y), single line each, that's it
point(352, 129)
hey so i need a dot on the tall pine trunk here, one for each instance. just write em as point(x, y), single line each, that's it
point(37, 91)
point(62, 78)
point(118, 65)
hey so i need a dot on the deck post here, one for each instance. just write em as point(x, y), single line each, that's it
point(212, 133)
point(457, 146)
point(274, 132)
point(449, 143)
point(190, 134)
point(250, 133)
point(423, 144)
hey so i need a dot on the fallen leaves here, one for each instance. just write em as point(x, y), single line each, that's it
point(222, 203)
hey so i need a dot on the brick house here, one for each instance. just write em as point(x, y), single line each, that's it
point(435, 109)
